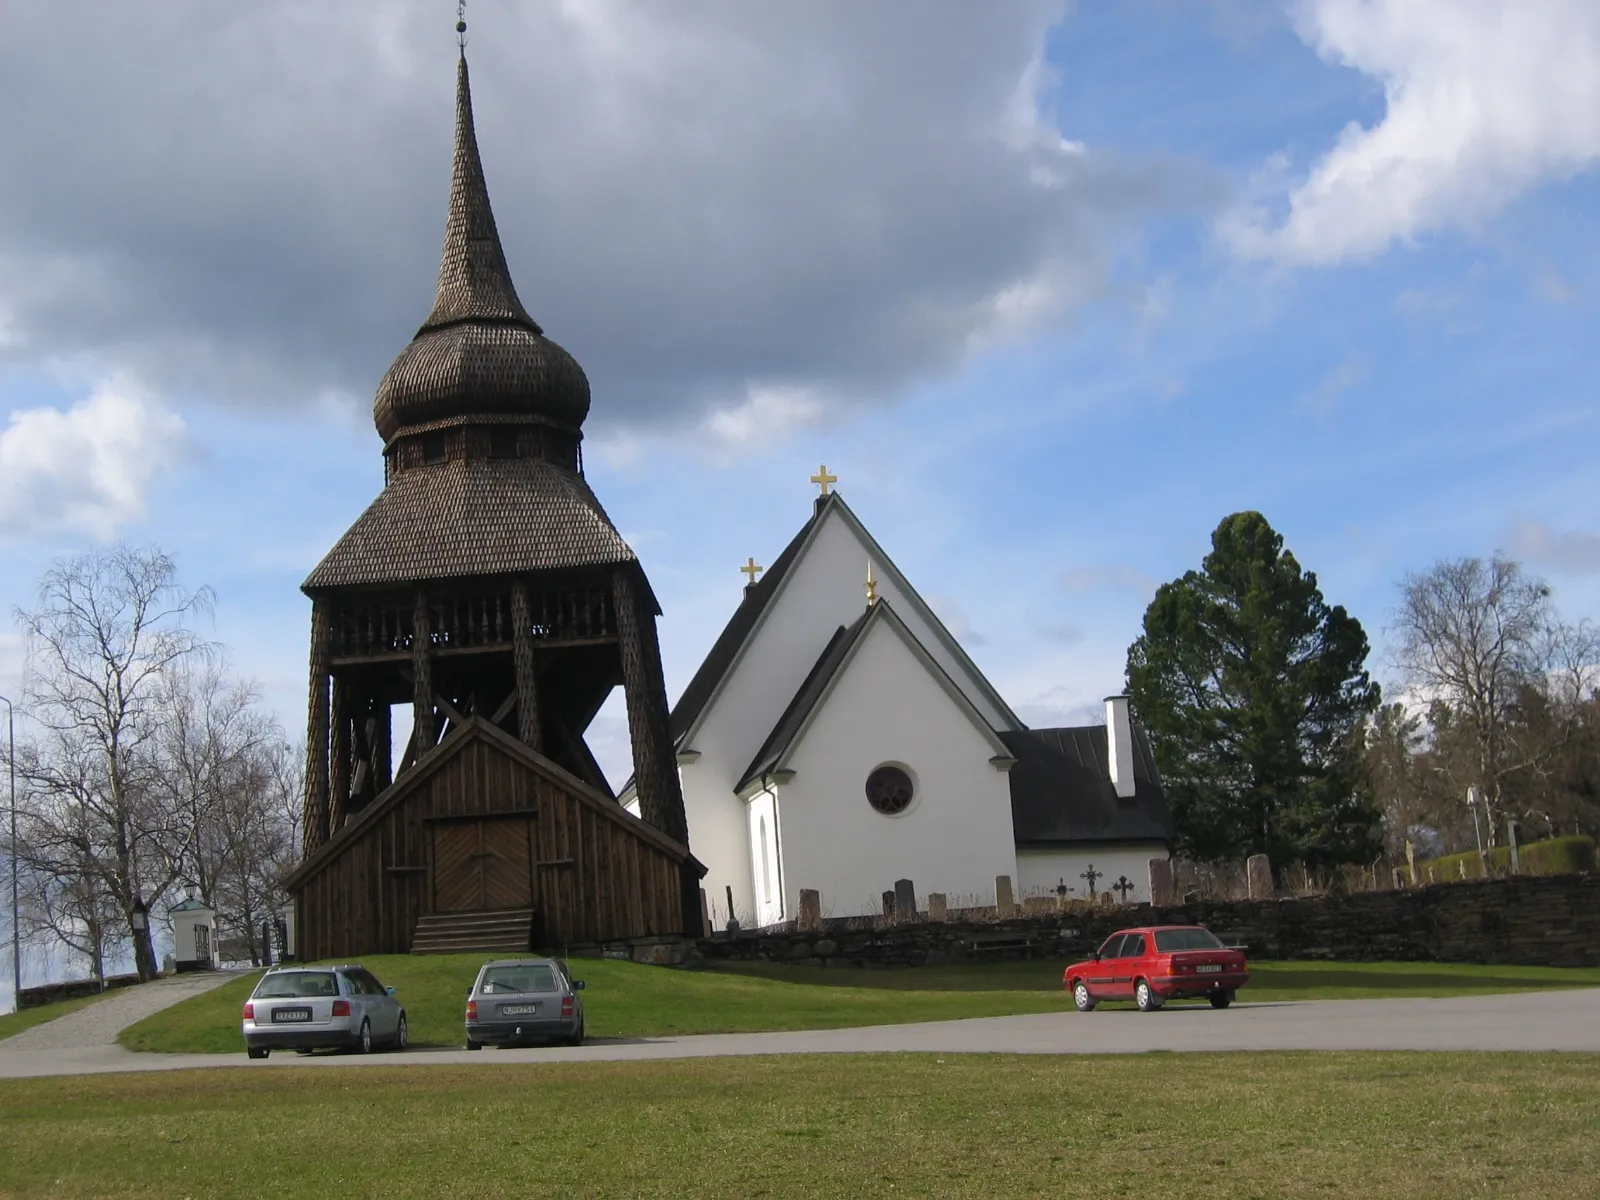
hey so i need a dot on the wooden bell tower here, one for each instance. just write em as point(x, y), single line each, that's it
point(485, 583)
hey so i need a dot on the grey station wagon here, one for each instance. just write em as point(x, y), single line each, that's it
point(519, 1000)
point(308, 1008)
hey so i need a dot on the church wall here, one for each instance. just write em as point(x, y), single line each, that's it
point(955, 838)
point(1040, 872)
point(824, 589)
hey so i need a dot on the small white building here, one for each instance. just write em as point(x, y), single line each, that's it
point(194, 934)
point(837, 737)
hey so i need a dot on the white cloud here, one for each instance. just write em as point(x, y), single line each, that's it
point(85, 470)
point(1116, 577)
point(1566, 551)
point(1486, 99)
point(767, 415)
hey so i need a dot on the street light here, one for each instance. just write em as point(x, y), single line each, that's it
point(16, 937)
point(1474, 798)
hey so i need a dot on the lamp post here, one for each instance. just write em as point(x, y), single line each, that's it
point(1473, 800)
point(16, 936)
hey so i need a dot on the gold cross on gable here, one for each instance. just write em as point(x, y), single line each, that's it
point(822, 479)
point(752, 570)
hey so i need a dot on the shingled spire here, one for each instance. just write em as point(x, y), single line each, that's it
point(474, 282)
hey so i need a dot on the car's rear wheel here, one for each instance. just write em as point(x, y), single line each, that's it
point(472, 1045)
point(401, 1034)
point(577, 1038)
point(1144, 997)
point(1081, 997)
point(257, 1051)
point(364, 1038)
point(1221, 999)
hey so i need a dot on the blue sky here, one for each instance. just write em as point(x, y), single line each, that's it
point(1052, 293)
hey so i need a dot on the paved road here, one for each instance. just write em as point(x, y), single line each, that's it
point(1564, 1020)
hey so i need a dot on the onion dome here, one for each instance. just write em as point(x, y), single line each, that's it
point(479, 353)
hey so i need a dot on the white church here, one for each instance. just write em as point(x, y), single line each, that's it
point(837, 737)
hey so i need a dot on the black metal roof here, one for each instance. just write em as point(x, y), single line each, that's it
point(1061, 790)
point(732, 638)
point(478, 350)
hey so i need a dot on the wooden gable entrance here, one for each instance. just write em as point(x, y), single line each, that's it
point(484, 824)
point(483, 864)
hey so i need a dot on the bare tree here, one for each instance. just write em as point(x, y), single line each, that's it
point(1504, 678)
point(107, 627)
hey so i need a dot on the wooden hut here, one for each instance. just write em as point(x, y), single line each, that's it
point(485, 589)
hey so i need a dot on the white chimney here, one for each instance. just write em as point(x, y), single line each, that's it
point(1119, 745)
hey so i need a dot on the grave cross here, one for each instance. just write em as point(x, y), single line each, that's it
point(1092, 876)
point(751, 569)
point(1062, 889)
point(1122, 887)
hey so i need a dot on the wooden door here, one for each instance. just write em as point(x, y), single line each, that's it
point(483, 864)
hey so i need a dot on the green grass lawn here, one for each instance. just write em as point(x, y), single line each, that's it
point(628, 1000)
point(1193, 1125)
point(27, 1018)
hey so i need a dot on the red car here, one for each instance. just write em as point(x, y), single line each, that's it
point(1159, 963)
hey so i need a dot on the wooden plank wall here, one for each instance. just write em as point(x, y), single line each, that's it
point(597, 879)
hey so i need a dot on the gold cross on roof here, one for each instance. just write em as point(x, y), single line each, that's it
point(822, 479)
point(751, 570)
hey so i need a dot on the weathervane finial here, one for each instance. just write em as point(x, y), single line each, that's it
point(461, 25)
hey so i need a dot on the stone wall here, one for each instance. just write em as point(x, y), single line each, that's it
point(1526, 920)
point(49, 993)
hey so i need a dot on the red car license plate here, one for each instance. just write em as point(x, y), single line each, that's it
point(290, 1014)
point(1209, 968)
point(519, 1010)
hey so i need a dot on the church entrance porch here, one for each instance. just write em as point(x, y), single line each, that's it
point(482, 864)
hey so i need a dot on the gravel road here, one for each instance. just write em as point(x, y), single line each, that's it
point(1553, 1020)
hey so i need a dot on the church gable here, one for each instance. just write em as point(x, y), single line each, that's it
point(772, 641)
point(882, 769)
point(836, 660)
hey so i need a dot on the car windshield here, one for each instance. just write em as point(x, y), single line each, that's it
point(1168, 940)
point(507, 981)
point(294, 985)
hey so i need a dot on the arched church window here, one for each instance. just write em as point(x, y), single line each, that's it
point(890, 790)
point(766, 866)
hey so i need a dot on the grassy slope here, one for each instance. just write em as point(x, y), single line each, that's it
point(1236, 1126)
point(624, 999)
point(14, 1023)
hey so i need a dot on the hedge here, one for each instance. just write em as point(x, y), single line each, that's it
point(1558, 856)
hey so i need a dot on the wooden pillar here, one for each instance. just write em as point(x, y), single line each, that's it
point(423, 733)
point(522, 657)
point(382, 747)
point(655, 767)
point(315, 828)
point(339, 757)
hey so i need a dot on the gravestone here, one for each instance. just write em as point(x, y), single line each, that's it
point(1411, 861)
point(936, 907)
point(810, 910)
point(1399, 879)
point(905, 900)
point(1005, 906)
point(705, 911)
point(1161, 887)
point(1258, 871)
point(888, 904)
point(733, 923)
point(1512, 840)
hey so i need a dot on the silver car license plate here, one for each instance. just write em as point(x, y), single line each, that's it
point(518, 1010)
point(290, 1014)
point(1209, 968)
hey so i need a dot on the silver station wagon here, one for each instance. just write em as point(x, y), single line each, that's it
point(309, 1008)
point(520, 1000)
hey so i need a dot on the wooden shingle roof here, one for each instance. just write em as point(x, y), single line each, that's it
point(473, 517)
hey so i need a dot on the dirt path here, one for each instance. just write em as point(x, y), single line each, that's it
point(98, 1024)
